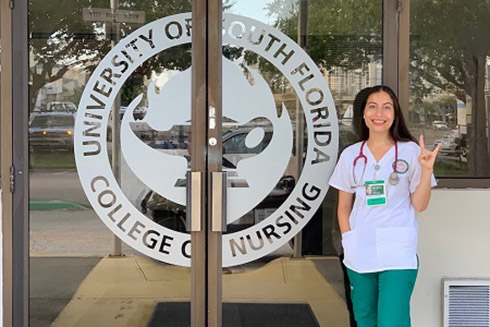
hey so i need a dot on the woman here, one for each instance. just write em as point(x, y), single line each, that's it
point(391, 177)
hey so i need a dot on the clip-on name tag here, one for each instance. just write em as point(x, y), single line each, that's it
point(375, 193)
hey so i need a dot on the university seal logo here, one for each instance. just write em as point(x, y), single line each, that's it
point(401, 166)
point(247, 101)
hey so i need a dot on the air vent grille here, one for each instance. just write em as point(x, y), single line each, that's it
point(466, 303)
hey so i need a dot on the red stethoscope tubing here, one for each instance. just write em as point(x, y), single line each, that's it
point(362, 156)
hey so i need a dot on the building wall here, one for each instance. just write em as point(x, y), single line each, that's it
point(454, 242)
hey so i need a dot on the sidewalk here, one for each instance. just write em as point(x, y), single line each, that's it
point(53, 282)
point(70, 233)
point(124, 291)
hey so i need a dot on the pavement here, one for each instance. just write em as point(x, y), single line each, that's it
point(53, 282)
point(70, 268)
point(74, 281)
point(56, 185)
point(124, 291)
point(70, 232)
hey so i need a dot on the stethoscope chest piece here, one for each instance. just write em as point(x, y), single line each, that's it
point(394, 179)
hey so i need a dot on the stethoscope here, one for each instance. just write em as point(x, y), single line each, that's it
point(393, 179)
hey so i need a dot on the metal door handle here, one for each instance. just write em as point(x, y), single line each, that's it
point(218, 204)
point(194, 201)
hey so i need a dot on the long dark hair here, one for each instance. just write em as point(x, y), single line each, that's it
point(398, 130)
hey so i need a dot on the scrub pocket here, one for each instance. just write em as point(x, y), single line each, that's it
point(355, 255)
point(349, 241)
point(396, 246)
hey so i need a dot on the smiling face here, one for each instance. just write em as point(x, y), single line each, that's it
point(379, 113)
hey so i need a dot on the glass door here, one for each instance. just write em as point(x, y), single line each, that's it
point(291, 70)
point(111, 148)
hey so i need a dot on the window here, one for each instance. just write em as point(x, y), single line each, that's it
point(449, 83)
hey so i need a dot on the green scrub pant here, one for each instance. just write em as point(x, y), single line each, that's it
point(382, 299)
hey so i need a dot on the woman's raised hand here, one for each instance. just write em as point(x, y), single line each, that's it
point(427, 157)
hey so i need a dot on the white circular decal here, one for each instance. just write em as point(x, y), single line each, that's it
point(246, 102)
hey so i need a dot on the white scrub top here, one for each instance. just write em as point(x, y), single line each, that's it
point(381, 237)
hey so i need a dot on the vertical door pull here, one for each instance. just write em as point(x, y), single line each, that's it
point(194, 201)
point(218, 198)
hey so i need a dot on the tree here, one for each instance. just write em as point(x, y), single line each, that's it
point(61, 41)
point(341, 33)
point(450, 43)
point(449, 48)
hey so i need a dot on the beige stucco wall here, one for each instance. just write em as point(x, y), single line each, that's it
point(454, 242)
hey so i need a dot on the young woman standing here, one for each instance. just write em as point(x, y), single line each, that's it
point(391, 177)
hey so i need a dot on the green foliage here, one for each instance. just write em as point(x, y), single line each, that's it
point(451, 169)
point(61, 40)
point(441, 106)
point(341, 33)
point(52, 160)
point(445, 37)
point(450, 44)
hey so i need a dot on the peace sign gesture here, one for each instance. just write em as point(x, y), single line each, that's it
point(426, 157)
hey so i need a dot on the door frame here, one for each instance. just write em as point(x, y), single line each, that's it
point(6, 157)
point(14, 163)
point(206, 288)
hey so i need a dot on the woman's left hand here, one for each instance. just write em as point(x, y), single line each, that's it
point(427, 157)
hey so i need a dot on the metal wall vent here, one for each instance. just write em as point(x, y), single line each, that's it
point(466, 303)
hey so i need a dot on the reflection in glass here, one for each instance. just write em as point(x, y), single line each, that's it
point(73, 278)
point(449, 72)
point(344, 40)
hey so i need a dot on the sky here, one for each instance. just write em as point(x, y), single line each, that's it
point(252, 8)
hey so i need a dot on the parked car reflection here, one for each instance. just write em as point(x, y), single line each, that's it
point(51, 131)
point(142, 129)
point(447, 144)
point(172, 215)
point(451, 146)
point(61, 106)
point(439, 125)
point(235, 149)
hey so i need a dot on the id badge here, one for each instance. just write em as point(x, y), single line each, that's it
point(375, 193)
